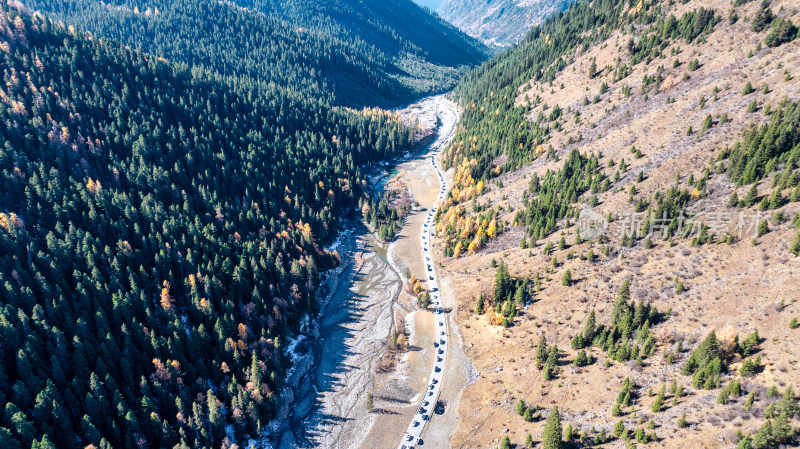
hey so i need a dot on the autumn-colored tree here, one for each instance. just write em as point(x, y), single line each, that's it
point(402, 342)
point(167, 303)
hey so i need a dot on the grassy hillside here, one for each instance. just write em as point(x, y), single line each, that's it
point(350, 52)
point(673, 126)
point(161, 239)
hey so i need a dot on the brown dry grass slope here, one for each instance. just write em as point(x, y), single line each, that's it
point(748, 285)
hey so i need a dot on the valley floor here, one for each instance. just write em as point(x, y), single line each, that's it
point(368, 301)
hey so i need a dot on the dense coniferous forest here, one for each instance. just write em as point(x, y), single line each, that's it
point(348, 52)
point(161, 234)
point(763, 148)
point(553, 197)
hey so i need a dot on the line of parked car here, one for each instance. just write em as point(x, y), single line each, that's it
point(431, 394)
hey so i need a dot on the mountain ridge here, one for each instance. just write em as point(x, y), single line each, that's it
point(394, 65)
point(499, 23)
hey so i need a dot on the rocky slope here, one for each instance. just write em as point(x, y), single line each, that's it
point(499, 22)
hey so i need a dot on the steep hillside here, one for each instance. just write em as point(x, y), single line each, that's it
point(673, 128)
point(357, 52)
point(161, 239)
point(500, 22)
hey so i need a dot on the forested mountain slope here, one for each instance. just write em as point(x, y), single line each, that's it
point(624, 229)
point(499, 22)
point(161, 236)
point(353, 52)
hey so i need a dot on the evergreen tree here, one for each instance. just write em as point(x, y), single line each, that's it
point(681, 423)
point(751, 197)
point(551, 436)
point(590, 328)
point(658, 404)
point(734, 200)
point(502, 282)
point(566, 279)
point(541, 352)
point(528, 415)
point(521, 407)
point(619, 429)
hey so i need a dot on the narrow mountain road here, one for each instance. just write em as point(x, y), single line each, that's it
point(448, 116)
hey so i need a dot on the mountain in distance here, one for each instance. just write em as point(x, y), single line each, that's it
point(350, 52)
point(498, 23)
point(430, 4)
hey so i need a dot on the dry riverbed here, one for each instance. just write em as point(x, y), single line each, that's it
point(366, 301)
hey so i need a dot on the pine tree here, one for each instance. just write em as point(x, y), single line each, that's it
point(8, 441)
point(762, 19)
point(682, 421)
point(788, 404)
point(581, 359)
point(640, 436)
point(502, 282)
point(751, 398)
point(566, 279)
point(706, 352)
point(479, 306)
point(734, 200)
point(215, 417)
point(751, 197)
point(551, 437)
point(551, 364)
point(569, 433)
point(590, 328)
point(541, 352)
point(658, 404)
point(795, 247)
point(619, 429)
point(745, 443)
point(521, 407)
point(621, 302)
point(776, 199)
point(763, 437)
point(528, 415)
point(763, 228)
